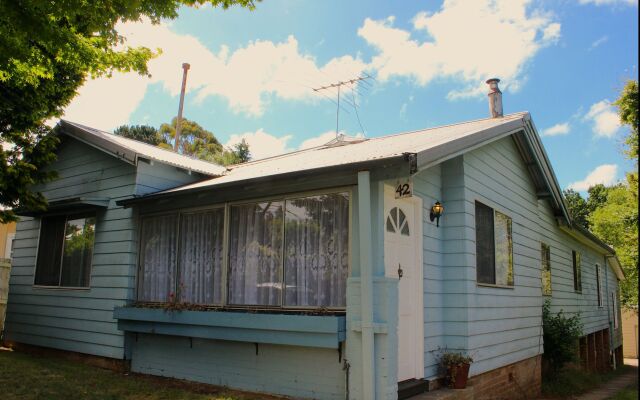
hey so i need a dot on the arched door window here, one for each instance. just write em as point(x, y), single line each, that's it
point(397, 222)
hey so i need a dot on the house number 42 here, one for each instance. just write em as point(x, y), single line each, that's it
point(404, 189)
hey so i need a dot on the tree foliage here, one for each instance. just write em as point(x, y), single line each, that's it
point(580, 208)
point(142, 133)
point(616, 223)
point(577, 206)
point(628, 104)
point(47, 51)
point(195, 141)
point(611, 212)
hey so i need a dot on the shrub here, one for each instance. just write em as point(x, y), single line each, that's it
point(561, 335)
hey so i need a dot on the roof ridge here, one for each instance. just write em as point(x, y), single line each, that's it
point(508, 116)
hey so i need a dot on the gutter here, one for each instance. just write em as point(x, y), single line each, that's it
point(589, 239)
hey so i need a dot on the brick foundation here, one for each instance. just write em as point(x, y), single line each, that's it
point(520, 380)
point(96, 361)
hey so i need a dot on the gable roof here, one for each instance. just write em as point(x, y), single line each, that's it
point(429, 144)
point(424, 148)
point(131, 150)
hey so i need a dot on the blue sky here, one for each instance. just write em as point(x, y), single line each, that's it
point(252, 73)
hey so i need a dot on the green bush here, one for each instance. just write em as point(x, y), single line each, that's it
point(561, 335)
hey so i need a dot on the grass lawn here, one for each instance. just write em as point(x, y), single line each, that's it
point(572, 382)
point(24, 376)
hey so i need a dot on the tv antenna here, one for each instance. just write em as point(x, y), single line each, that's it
point(339, 85)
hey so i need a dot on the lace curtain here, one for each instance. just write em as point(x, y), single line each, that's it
point(255, 254)
point(185, 263)
point(201, 257)
point(316, 251)
point(158, 259)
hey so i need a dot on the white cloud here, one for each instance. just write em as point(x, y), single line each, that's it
point(557, 130)
point(605, 174)
point(107, 103)
point(598, 42)
point(468, 41)
point(610, 2)
point(247, 77)
point(262, 144)
point(604, 119)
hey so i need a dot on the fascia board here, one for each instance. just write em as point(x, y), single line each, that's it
point(436, 155)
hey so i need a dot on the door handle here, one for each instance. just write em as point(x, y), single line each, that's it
point(400, 271)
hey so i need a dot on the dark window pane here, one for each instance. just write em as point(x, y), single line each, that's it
point(598, 287)
point(157, 277)
point(255, 254)
point(485, 246)
point(577, 273)
point(77, 252)
point(405, 229)
point(390, 227)
point(317, 250)
point(201, 257)
point(50, 251)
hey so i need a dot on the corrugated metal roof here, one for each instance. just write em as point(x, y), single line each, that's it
point(130, 149)
point(354, 152)
point(433, 145)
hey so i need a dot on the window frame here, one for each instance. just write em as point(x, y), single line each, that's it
point(544, 247)
point(576, 261)
point(67, 216)
point(224, 304)
point(614, 305)
point(495, 210)
point(599, 286)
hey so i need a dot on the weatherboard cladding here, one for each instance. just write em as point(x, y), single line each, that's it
point(498, 326)
point(78, 320)
point(82, 320)
point(504, 323)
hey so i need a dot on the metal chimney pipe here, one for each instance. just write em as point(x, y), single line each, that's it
point(185, 67)
point(495, 98)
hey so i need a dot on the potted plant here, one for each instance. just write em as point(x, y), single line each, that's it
point(456, 367)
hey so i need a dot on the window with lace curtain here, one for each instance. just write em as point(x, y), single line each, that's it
point(290, 252)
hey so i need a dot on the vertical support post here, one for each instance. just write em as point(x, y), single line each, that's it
point(366, 273)
point(185, 68)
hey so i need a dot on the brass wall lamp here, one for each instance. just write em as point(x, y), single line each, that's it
point(436, 212)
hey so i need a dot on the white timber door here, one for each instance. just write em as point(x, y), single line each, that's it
point(403, 261)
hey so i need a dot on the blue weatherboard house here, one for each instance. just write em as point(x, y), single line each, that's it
point(340, 271)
